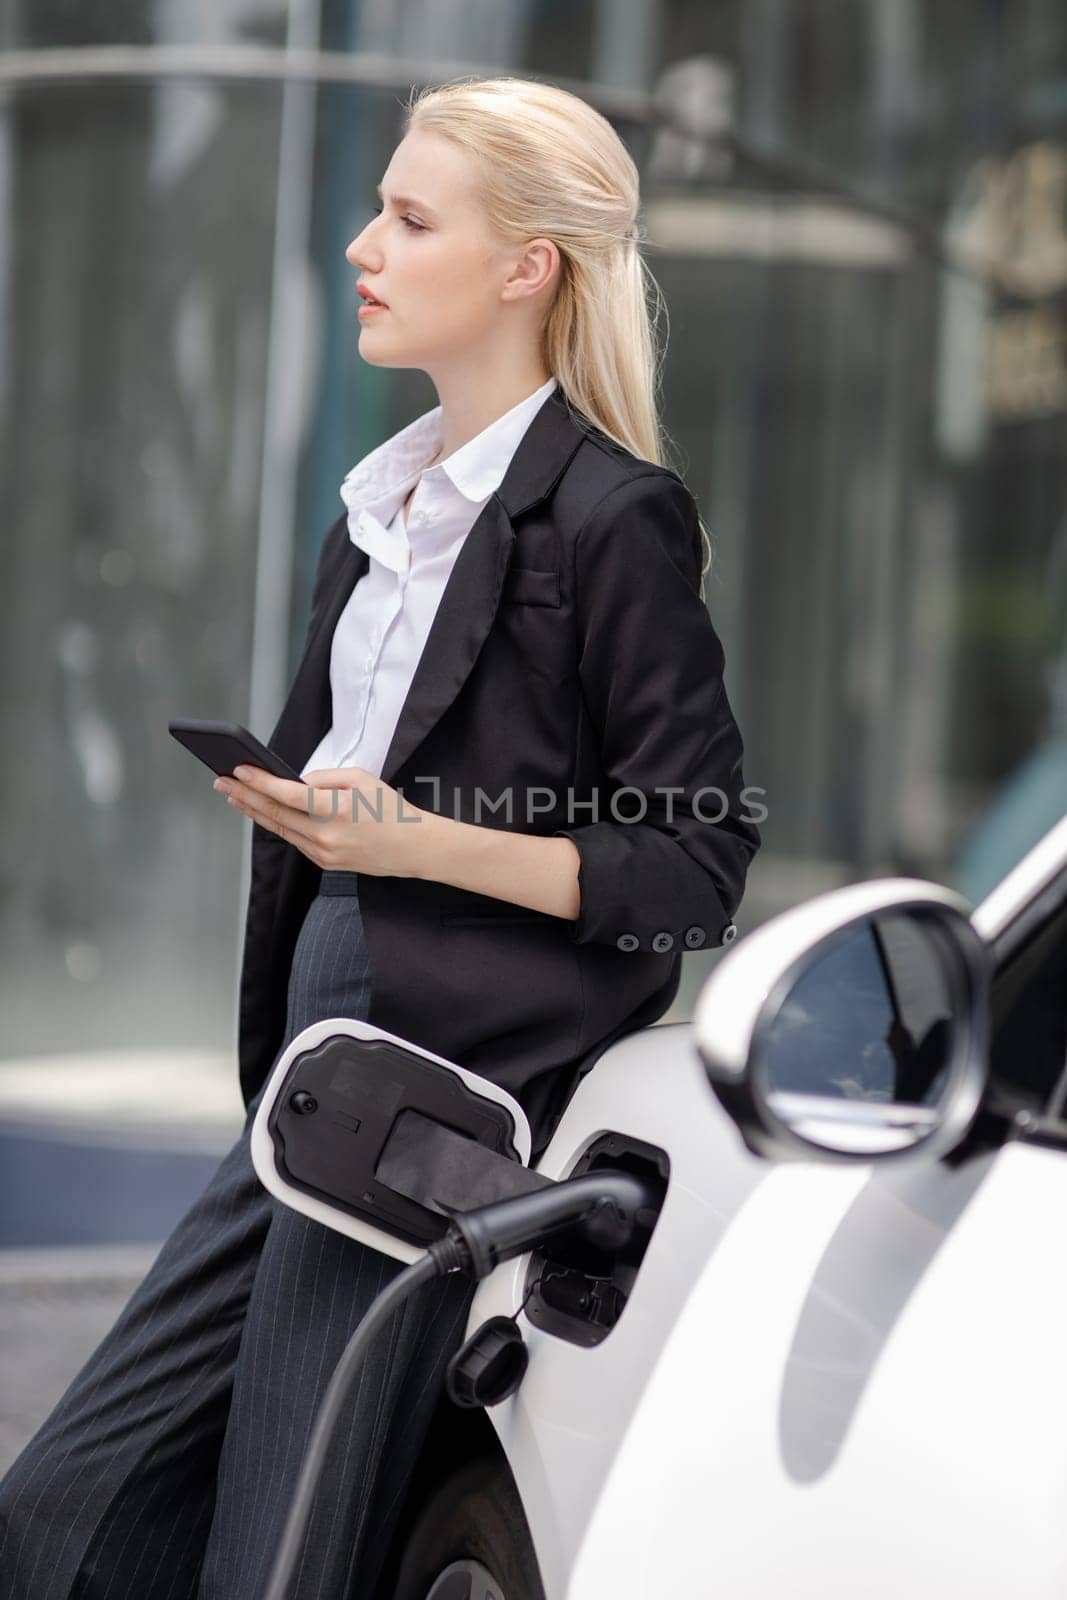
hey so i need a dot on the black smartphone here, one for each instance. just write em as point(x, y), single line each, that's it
point(225, 745)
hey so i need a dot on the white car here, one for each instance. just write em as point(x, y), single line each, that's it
point(829, 1362)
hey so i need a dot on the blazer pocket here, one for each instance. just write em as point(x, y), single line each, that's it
point(529, 586)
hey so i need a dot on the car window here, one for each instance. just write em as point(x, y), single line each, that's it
point(1028, 1050)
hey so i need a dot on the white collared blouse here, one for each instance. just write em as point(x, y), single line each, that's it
point(381, 633)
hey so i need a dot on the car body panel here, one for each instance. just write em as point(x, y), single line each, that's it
point(865, 1364)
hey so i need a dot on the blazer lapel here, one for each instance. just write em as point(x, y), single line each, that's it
point(308, 709)
point(464, 615)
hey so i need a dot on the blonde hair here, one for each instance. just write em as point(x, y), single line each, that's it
point(550, 165)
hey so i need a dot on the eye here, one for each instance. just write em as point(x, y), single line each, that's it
point(416, 227)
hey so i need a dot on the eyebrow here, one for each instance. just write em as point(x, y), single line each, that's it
point(407, 200)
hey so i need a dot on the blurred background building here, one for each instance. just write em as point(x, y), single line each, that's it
point(857, 212)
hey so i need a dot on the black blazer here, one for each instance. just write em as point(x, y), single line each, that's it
point(570, 656)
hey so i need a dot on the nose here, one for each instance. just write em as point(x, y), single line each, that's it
point(354, 253)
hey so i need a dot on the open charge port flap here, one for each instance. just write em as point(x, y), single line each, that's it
point(578, 1293)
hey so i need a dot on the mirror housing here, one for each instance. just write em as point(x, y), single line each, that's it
point(853, 1027)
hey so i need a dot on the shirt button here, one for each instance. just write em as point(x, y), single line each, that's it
point(627, 941)
point(695, 936)
point(729, 933)
point(662, 941)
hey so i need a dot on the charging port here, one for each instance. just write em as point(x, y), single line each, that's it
point(579, 1293)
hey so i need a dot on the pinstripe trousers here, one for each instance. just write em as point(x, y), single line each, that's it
point(166, 1469)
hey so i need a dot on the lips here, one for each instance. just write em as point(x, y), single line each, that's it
point(369, 299)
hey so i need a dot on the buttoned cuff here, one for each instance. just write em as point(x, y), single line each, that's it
point(630, 902)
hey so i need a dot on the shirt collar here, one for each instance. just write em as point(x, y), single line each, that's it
point(375, 489)
point(478, 467)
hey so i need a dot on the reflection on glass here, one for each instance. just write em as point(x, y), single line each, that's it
point(857, 1054)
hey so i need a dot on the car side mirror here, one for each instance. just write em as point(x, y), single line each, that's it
point(852, 1027)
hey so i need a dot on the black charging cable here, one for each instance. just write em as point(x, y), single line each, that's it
point(601, 1206)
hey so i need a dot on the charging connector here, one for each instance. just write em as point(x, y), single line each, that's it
point(600, 1207)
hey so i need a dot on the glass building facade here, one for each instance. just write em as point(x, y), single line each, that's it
point(857, 213)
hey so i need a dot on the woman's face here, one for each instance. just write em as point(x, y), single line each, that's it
point(428, 256)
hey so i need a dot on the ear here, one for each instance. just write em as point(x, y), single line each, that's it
point(536, 269)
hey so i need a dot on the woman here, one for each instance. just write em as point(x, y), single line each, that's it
point(511, 602)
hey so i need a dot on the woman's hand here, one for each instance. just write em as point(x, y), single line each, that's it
point(342, 819)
